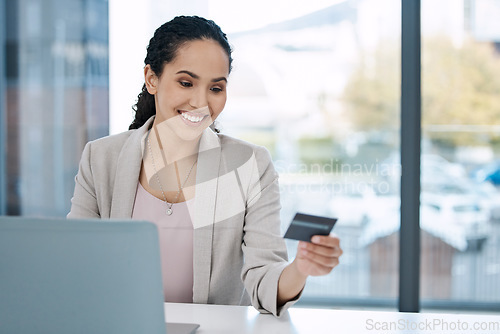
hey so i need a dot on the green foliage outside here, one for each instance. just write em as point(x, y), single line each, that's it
point(460, 87)
point(262, 138)
point(317, 150)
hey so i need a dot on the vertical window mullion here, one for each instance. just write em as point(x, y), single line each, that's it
point(409, 251)
point(3, 118)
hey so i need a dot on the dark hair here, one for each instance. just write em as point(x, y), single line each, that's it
point(162, 49)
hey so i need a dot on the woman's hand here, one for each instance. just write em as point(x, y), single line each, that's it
point(314, 258)
point(318, 257)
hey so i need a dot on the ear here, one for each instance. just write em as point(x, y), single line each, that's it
point(150, 79)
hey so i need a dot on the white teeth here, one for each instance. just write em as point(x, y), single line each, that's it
point(194, 119)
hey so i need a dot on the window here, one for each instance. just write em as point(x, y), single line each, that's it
point(460, 152)
point(56, 98)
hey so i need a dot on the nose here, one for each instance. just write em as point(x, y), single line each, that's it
point(198, 99)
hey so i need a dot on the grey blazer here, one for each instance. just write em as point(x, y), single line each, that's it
point(237, 243)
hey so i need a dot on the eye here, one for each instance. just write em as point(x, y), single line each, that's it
point(216, 89)
point(185, 84)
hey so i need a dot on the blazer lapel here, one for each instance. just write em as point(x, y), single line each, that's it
point(127, 174)
point(207, 179)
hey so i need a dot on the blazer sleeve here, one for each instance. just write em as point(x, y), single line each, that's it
point(84, 201)
point(263, 248)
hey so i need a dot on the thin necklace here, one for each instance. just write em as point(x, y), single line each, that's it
point(169, 205)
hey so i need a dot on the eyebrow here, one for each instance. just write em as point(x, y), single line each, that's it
point(195, 76)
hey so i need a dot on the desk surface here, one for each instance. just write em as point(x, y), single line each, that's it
point(241, 319)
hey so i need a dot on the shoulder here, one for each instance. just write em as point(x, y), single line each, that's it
point(104, 153)
point(111, 143)
point(114, 144)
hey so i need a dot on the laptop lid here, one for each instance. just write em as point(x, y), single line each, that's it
point(80, 276)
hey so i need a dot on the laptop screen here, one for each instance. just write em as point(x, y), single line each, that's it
point(79, 276)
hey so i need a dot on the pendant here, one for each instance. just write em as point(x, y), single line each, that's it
point(169, 211)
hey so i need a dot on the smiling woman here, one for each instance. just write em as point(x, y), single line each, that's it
point(214, 199)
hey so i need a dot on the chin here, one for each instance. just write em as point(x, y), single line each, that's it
point(189, 133)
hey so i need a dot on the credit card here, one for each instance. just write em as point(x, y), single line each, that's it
point(303, 227)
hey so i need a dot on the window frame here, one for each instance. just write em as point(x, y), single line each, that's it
point(3, 121)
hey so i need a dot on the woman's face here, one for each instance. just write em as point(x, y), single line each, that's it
point(191, 92)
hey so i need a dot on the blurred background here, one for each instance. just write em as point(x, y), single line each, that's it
point(317, 83)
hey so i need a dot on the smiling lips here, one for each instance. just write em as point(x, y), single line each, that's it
point(194, 117)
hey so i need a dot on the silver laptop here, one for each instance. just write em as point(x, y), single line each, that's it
point(81, 276)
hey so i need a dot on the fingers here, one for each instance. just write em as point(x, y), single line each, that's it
point(322, 260)
point(319, 256)
point(323, 245)
point(326, 240)
point(322, 250)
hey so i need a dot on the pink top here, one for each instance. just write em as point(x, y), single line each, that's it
point(176, 242)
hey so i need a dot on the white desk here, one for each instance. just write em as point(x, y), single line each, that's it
point(241, 319)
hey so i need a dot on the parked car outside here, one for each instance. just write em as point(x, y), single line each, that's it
point(485, 194)
point(460, 210)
